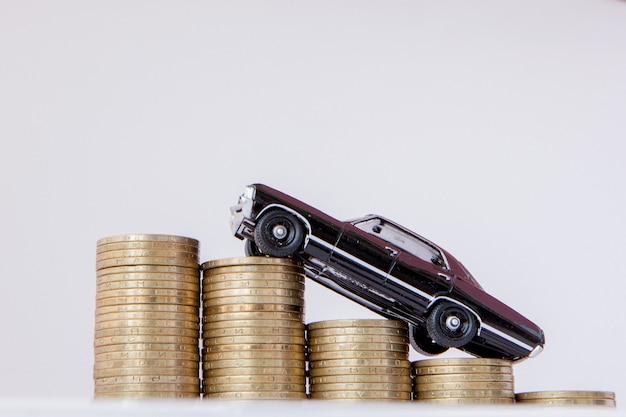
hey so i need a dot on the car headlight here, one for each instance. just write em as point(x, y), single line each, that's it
point(249, 192)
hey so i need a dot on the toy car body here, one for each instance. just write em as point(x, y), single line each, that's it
point(390, 270)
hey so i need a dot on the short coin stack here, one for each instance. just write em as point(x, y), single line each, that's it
point(359, 360)
point(253, 329)
point(464, 381)
point(147, 317)
point(567, 398)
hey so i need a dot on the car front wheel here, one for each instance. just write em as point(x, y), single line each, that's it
point(451, 325)
point(279, 233)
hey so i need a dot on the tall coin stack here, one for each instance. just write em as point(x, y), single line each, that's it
point(147, 317)
point(464, 381)
point(359, 360)
point(567, 398)
point(253, 329)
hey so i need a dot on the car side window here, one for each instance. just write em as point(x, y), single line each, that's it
point(400, 238)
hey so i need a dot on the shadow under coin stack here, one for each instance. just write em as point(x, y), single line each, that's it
point(147, 317)
point(253, 329)
point(464, 381)
point(359, 360)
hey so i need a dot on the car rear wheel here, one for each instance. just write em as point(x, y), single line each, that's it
point(423, 343)
point(451, 325)
point(250, 248)
point(279, 233)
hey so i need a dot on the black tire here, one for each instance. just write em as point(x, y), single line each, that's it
point(279, 233)
point(451, 325)
point(250, 248)
point(423, 343)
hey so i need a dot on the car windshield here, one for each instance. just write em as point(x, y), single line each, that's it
point(401, 238)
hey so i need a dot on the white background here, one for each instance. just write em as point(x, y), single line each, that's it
point(494, 128)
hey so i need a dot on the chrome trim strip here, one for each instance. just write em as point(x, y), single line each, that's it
point(507, 337)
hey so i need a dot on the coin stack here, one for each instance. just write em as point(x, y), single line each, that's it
point(359, 360)
point(464, 381)
point(147, 317)
point(253, 329)
point(567, 398)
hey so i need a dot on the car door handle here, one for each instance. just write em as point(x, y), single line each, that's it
point(392, 251)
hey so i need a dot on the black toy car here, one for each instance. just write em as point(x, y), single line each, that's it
point(390, 270)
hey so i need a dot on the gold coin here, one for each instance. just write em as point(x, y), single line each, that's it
point(245, 292)
point(148, 238)
point(146, 260)
point(107, 302)
point(253, 280)
point(362, 331)
point(279, 325)
point(254, 299)
point(147, 315)
point(360, 339)
point(253, 354)
point(585, 402)
point(254, 387)
point(466, 393)
point(138, 363)
point(249, 260)
point(254, 339)
point(378, 323)
point(139, 245)
point(149, 292)
point(138, 284)
point(256, 395)
point(116, 324)
point(144, 253)
point(253, 370)
point(174, 347)
point(209, 286)
point(134, 339)
point(146, 331)
point(276, 347)
point(254, 379)
point(460, 369)
point(368, 379)
point(346, 347)
point(357, 354)
point(248, 363)
point(359, 370)
point(362, 395)
point(225, 273)
point(138, 280)
point(362, 379)
point(175, 272)
point(145, 370)
point(148, 379)
point(252, 331)
point(334, 363)
point(486, 377)
point(193, 388)
point(266, 309)
point(605, 395)
point(361, 386)
point(227, 316)
point(147, 354)
point(430, 363)
point(466, 401)
point(154, 308)
point(444, 386)
point(180, 396)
